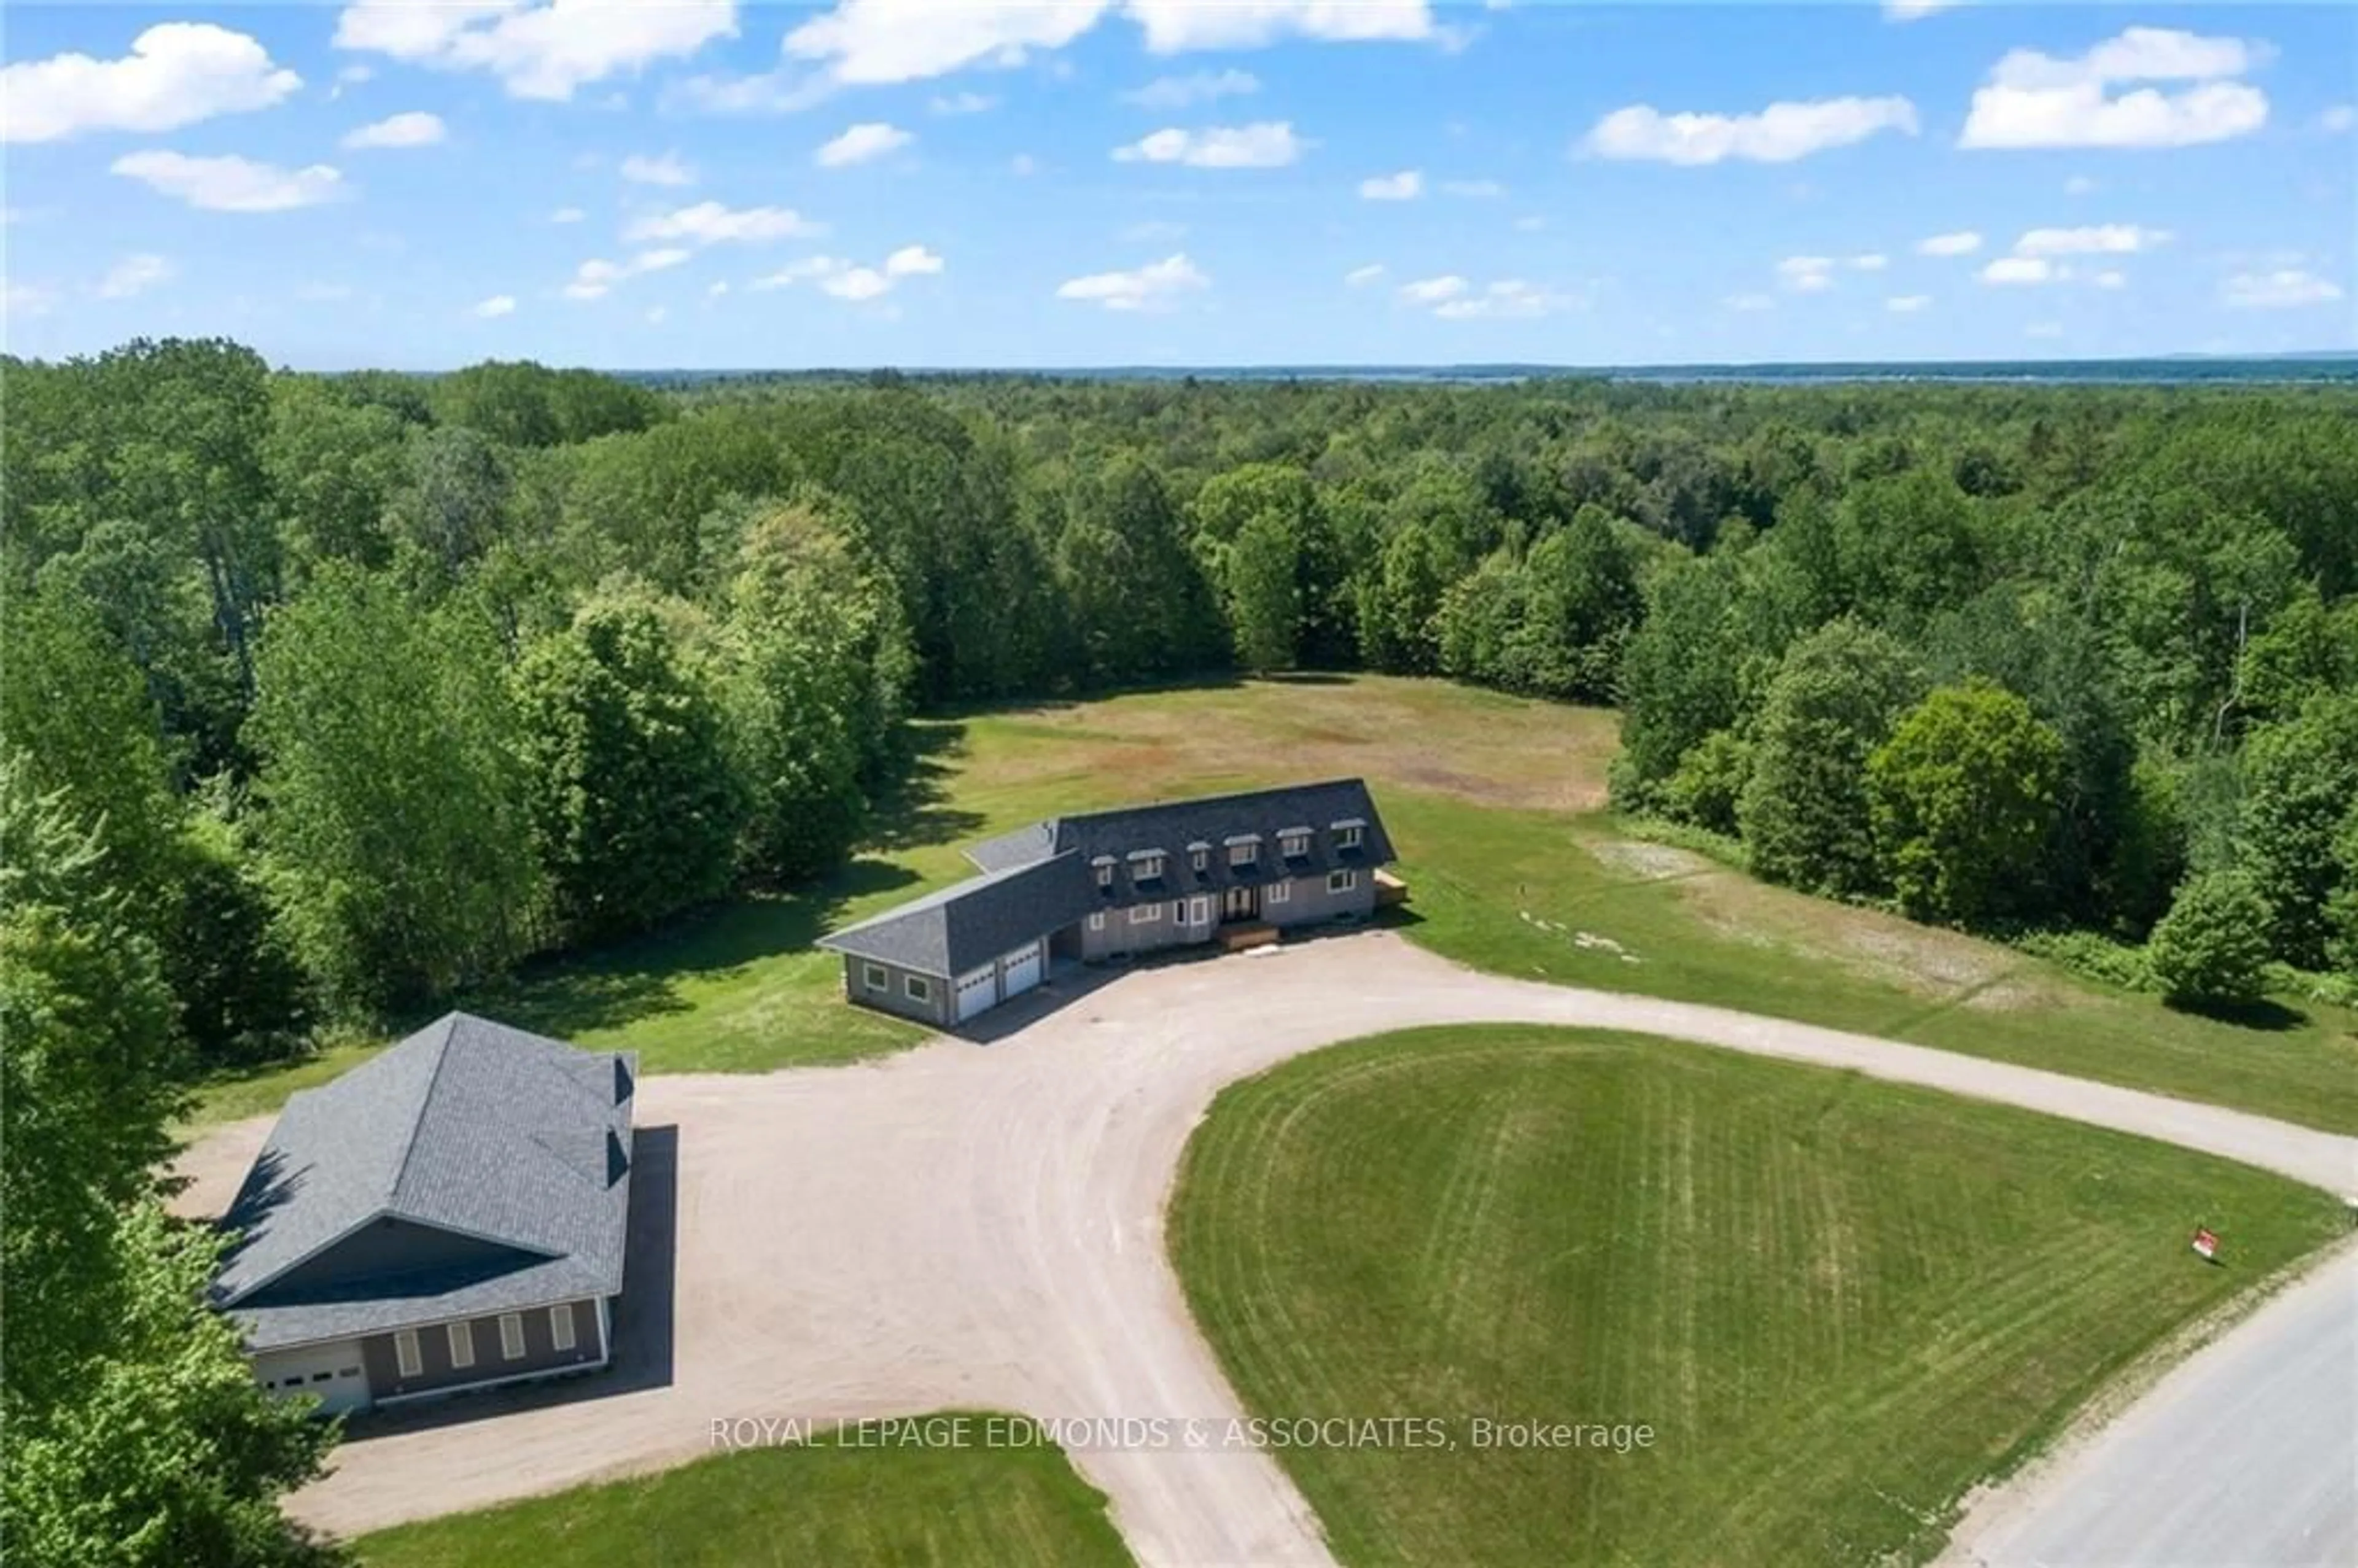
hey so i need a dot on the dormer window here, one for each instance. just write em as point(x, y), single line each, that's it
point(1146, 865)
point(1199, 858)
point(1350, 834)
point(1104, 864)
point(1244, 851)
point(1294, 843)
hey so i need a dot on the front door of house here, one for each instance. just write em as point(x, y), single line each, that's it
point(1240, 903)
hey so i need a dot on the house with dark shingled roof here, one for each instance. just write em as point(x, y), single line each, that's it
point(450, 1215)
point(1108, 884)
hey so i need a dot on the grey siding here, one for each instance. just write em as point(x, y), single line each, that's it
point(1118, 933)
point(894, 995)
point(438, 1376)
point(1308, 901)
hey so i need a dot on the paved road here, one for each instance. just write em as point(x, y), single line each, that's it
point(2245, 1454)
point(979, 1226)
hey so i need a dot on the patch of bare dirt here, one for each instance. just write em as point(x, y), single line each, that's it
point(1648, 862)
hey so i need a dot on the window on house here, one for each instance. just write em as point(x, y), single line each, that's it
point(1244, 854)
point(1146, 868)
point(1105, 874)
point(1146, 914)
point(1277, 892)
point(560, 1326)
point(876, 978)
point(512, 1335)
point(463, 1345)
point(1293, 846)
point(1096, 921)
point(1347, 835)
point(918, 988)
point(1342, 881)
point(405, 1353)
point(1199, 859)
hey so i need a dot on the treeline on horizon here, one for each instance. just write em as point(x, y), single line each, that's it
point(323, 699)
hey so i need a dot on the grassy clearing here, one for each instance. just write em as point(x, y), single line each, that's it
point(1496, 802)
point(1839, 1304)
point(787, 1506)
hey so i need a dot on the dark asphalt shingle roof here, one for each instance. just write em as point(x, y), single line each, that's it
point(969, 924)
point(1218, 821)
point(467, 1127)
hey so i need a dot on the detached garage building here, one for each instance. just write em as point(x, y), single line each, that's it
point(450, 1215)
point(1114, 883)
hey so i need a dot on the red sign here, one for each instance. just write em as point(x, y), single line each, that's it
point(2205, 1243)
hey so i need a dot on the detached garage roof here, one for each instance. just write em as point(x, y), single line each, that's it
point(470, 1167)
point(969, 924)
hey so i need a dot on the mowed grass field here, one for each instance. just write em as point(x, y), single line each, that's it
point(790, 1507)
point(1838, 1304)
point(1497, 805)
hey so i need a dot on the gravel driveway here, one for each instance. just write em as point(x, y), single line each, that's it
point(979, 1224)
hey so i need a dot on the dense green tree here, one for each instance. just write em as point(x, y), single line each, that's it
point(2300, 775)
point(1709, 783)
point(137, 1436)
point(334, 467)
point(2212, 949)
point(1964, 797)
point(634, 805)
point(2342, 909)
point(1679, 676)
point(1262, 572)
point(1804, 812)
point(395, 827)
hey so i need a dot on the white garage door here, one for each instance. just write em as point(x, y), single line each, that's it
point(1023, 969)
point(333, 1373)
point(975, 992)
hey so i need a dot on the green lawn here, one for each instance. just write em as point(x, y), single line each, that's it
point(789, 1507)
point(1497, 802)
point(1838, 1304)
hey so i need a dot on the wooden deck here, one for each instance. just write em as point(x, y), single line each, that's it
point(1258, 934)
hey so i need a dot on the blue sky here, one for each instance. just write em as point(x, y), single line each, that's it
point(1092, 182)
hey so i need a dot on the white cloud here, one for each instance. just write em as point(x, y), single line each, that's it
point(2111, 278)
point(414, 129)
point(133, 275)
point(1175, 27)
point(769, 92)
point(1510, 298)
point(860, 143)
point(1964, 242)
point(1360, 276)
point(667, 169)
point(1749, 302)
point(498, 305)
point(2078, 185)
point(710, 223)
point(962, 104)
point(1478, 189)
point(1405, 185)
point(1873, 261)
point(231, 184)
point(24, 298)
point(2338, 119)
point(878, 42)
point(2034, 100)
point(1806, 274)
point(656, 314)
point(1779, 134)
point(567, 215)
point(1915, 10)
point(1433, 290)
point(912, 261)
point(1907, 304)
point(857, 284)
point(542, 52)
point(596, 277)
point(2285, 289)
point(1269, 145)
point(1199, 87)
point(1155, 287)
point(176, 74)
point(658, 260)
point(2024, 270)
point(2102, 239)
point(799, 272)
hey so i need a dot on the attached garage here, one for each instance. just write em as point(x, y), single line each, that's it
point(975, 991)
point(1025, 968)
point(334, 1372)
